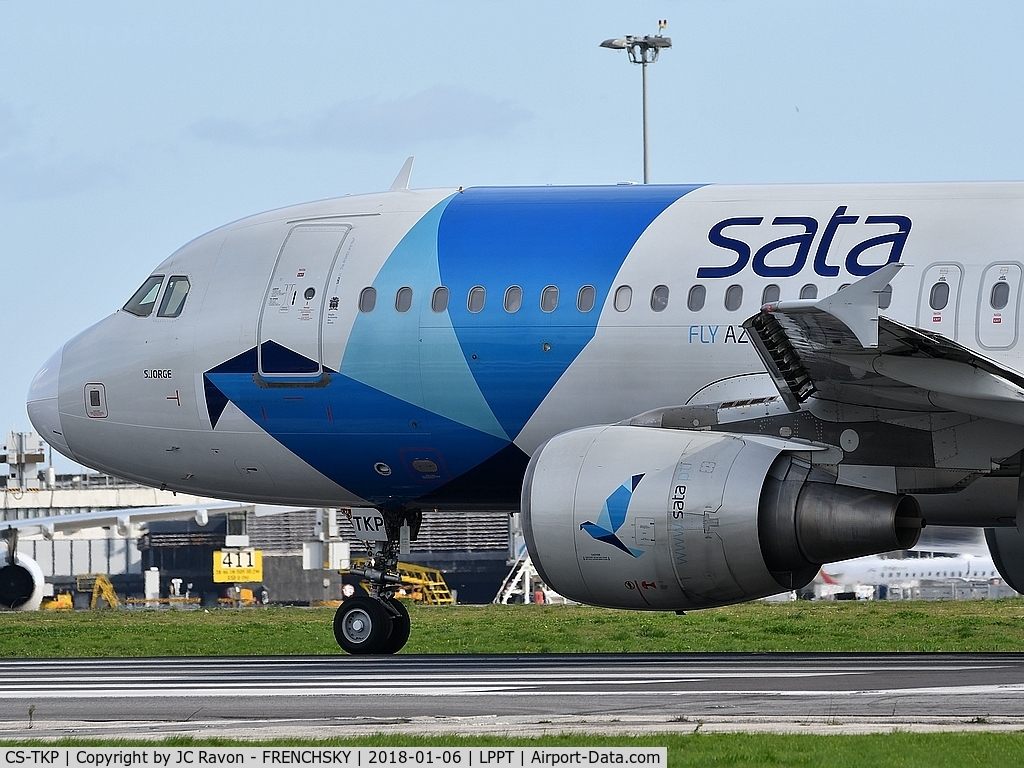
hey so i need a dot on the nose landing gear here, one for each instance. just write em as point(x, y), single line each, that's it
point(379, 623)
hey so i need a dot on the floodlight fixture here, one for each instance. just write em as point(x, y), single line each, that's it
point(642, 50)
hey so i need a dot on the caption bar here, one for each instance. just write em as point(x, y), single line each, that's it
point(463, 757)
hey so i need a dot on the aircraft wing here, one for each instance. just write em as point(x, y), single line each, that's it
point(839, 349)
point(121, 518)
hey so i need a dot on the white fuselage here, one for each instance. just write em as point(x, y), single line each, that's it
point(274, 384)
point(890, 571)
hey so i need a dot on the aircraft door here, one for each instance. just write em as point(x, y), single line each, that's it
point(998, 306)
point(939, 301)
point(292, 312)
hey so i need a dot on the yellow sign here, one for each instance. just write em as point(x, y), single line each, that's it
point(237, 565)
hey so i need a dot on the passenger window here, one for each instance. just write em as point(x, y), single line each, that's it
point(367, 299)
point(439, 301)
point(659, 298)
point(586, 298)
point(403, 299)
point(142, 302)
point(549, 299)
point(809, 291)
point(174, 296)
point(938, 298)
point(696, 298)
point(733, 297)
point(770, 294)
point(1000, 295)
point(513, 299)
point(623, 298)
point(885, 297)
point(477, 297)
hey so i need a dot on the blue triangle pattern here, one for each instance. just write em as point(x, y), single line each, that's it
point(344, 429)
point(534, 237)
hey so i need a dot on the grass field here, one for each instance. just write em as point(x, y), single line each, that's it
point(844, 626)
point(907, 750)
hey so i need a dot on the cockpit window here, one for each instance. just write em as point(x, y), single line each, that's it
point(142, 302)
point(174, 296)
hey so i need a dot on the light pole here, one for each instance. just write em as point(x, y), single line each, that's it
point(642, 50)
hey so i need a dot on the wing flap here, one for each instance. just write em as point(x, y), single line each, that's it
point(840, 349)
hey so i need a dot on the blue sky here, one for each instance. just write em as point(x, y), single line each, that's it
point(126, 129)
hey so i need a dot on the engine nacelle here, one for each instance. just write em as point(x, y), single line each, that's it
point(664, 519)
point(21, 583)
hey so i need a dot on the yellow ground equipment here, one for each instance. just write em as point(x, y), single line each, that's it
point(239, 596)
point(100, 586)
point(419, 584)
point(59, 602)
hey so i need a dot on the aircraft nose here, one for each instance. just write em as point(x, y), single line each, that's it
point(42, 404)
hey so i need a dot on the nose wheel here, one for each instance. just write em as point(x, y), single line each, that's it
point(368, 625)
point(361, 625)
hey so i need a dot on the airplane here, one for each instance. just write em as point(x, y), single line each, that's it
point(875, 570)
point(21, 578)
point(695, 395)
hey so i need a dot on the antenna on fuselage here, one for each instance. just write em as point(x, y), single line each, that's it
point(402, 179)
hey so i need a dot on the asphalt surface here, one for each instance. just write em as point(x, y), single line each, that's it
point(256, 697)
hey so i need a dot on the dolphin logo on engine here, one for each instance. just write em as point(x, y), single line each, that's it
point(613, 515)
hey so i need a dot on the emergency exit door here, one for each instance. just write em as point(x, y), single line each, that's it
point(998, 306)
point(939, 303)
point(291, 320)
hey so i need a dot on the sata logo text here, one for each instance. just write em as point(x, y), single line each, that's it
point(678, 500)
point(794, 250)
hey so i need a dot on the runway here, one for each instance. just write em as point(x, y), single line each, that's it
point(521, 695)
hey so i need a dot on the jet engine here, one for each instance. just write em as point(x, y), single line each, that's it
point(664, 519)
point(21, 583)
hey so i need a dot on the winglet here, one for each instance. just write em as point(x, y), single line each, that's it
point(856, 305)
point(402, 179)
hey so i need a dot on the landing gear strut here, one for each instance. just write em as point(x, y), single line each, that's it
point(379, 623)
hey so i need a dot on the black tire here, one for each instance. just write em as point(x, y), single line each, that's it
point(362, 625)
point(401, 626)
